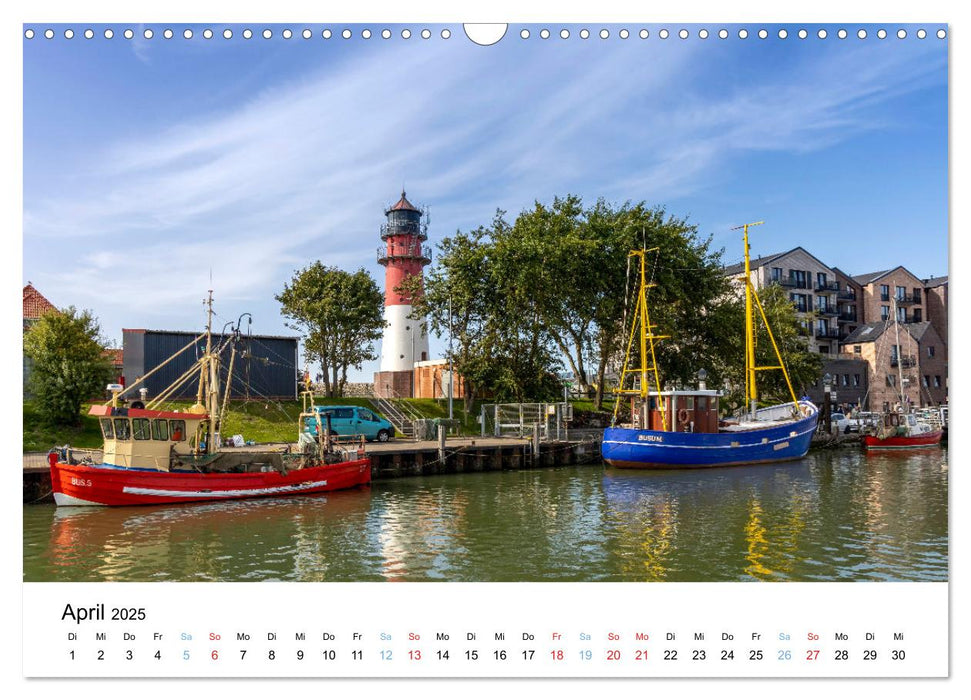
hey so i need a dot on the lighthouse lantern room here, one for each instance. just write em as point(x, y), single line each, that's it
point(403, 253)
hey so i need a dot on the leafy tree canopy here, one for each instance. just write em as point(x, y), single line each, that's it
point(340, 316)
point(69, 364)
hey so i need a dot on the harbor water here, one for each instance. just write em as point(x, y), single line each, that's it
point(838, 515)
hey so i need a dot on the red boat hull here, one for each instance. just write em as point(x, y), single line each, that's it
point(901, 442)
point(100, 485)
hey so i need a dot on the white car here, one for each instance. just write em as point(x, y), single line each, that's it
point(840, 422)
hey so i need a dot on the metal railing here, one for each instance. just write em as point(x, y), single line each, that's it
point(519, 419)
point(413, 252)
point(827, 333)
point(903, 361)
point(828, 287)
point(846, 295)
point(408, 228)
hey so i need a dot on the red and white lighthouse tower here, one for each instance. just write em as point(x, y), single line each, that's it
point(405, 342)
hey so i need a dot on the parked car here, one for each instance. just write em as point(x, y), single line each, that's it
point(840, 422)
point(351, 420)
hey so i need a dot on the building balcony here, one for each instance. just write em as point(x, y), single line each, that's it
point(846, 295)
point(826, 311)
point(906, 300)
point(386, 254)
point(904, 361)
point(829, 333)
point(846, 317)
point(406, 228)
point(828, 287)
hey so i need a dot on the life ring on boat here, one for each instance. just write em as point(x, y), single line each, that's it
point(683, 415)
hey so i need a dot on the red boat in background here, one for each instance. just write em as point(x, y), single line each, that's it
point(153, 456)
point(902, 431)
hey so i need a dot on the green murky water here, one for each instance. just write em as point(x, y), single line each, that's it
point(843, 515)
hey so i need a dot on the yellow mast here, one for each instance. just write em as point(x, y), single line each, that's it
point(642, 319)
point(751, 388)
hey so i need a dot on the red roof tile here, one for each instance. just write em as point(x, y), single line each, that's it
point(35, 304)
point(403, 204)
point(116, 355)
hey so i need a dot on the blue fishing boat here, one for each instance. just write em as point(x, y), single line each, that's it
point(675, 428)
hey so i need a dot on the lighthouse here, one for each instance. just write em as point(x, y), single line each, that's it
point(403, 254)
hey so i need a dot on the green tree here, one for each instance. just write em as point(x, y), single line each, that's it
point(475, 292)
point(69, 363)
point(574, 262)
point(340, 315)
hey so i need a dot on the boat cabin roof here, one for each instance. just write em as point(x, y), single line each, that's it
point(101, 410)
point(687, 392)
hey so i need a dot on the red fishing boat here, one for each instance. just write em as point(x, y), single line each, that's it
point(153, 456)
point(902, 431)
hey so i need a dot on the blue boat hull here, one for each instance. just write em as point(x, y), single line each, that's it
point(654, 449)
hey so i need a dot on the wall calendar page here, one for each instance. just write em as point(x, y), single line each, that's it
point(374, 348)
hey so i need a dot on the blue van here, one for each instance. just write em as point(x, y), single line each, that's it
point(350, 421)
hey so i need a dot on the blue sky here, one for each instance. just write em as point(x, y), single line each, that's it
point(149, 162)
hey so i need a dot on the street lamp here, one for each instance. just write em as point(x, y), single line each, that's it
point(702, 376)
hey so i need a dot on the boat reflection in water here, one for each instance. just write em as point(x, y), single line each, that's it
point(297, 538)
point(688, 525)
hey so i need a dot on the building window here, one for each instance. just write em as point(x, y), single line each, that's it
point(820, 280)
point(916, 295)
point(824, 349)
point(937, 381)
point(893, 353)
point(927, 380)
point(775, 274)
point(918, 315)
point(822, 325)
point(901, 314)
point(856, 380)
point(891, 380)
point(884, 313)
point(846, 380)
point(800, 302)
point(884, 292)
point(799, 278)
point(930, 351)
point(901, 293)
point(857, 349)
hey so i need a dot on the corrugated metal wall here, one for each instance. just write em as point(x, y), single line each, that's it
point(265, 367)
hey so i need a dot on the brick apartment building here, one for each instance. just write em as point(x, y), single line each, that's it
point(847, 318)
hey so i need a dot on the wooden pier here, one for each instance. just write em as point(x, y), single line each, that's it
point(399, 459)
